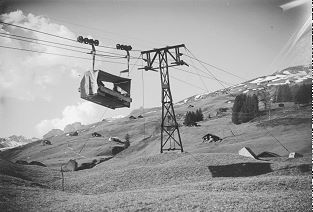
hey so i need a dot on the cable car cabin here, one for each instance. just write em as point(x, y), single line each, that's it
point(94, 88)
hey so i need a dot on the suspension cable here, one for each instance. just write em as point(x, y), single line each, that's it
point(34, 30)
point(202, 80)
point(57, 36)
point(50, 53)
point(29, 41)
point(213, 66)
point(206, 69)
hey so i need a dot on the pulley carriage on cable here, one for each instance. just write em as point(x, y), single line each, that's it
point(103, 88)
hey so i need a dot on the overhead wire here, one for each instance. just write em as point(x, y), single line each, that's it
point(202, 81)
point(50, 53)
point(13, 36)
point(57, 36)
point(213, 66)
point(57, 54)
point(109, 56)
point(41, 40)
point(206, 68)
point(116, 56)
point(212, 77)
point(134, 64)
point(34, 30)
point(96, 29)
point(187, 83)
point(29, 41)
point(276, 139)
point(111, 47)
point(207, 76)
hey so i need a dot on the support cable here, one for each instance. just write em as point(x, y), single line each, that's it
point(57, 36)
point(29, 41)
point(206, 69)
point(208, 77)
point(276, 139)
point(13, 36)
point(34, 30)
point(188, 83)
point(202, 80)
point(62, 55)
point(213, 66)
point(35, 51)
point(212, 77)
point(135, 64)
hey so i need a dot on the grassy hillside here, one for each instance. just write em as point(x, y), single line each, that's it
point(206, 177)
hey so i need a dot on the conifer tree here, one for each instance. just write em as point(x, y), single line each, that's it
point(304, 94)
point(199, 115)
point(283, 94)
point(236, 109)
point(245, 108)
point(192, 117)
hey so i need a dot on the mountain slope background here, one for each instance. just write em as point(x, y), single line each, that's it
point(205, 177)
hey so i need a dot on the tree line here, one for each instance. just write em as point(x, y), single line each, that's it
point(246, 107)
point(300, 94)
point(192, 117)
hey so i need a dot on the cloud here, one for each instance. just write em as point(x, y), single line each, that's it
point(35, 73)
point(85, 113)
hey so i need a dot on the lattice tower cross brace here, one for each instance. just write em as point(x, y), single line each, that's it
point(169, 125)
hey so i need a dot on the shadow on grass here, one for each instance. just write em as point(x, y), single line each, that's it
point(305, 168)
point(141, 144)
point(240, 169)
point(92, 164)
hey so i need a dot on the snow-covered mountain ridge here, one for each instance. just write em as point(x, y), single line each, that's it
point(292, 76)
point(14, 141)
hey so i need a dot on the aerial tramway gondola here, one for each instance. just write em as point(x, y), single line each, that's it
point(93, 85)
point(93, 89)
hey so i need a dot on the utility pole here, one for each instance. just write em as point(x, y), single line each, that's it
point(169, 125)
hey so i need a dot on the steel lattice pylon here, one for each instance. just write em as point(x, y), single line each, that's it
point(169, 127)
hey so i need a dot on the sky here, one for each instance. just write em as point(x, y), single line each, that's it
point(39, 92)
